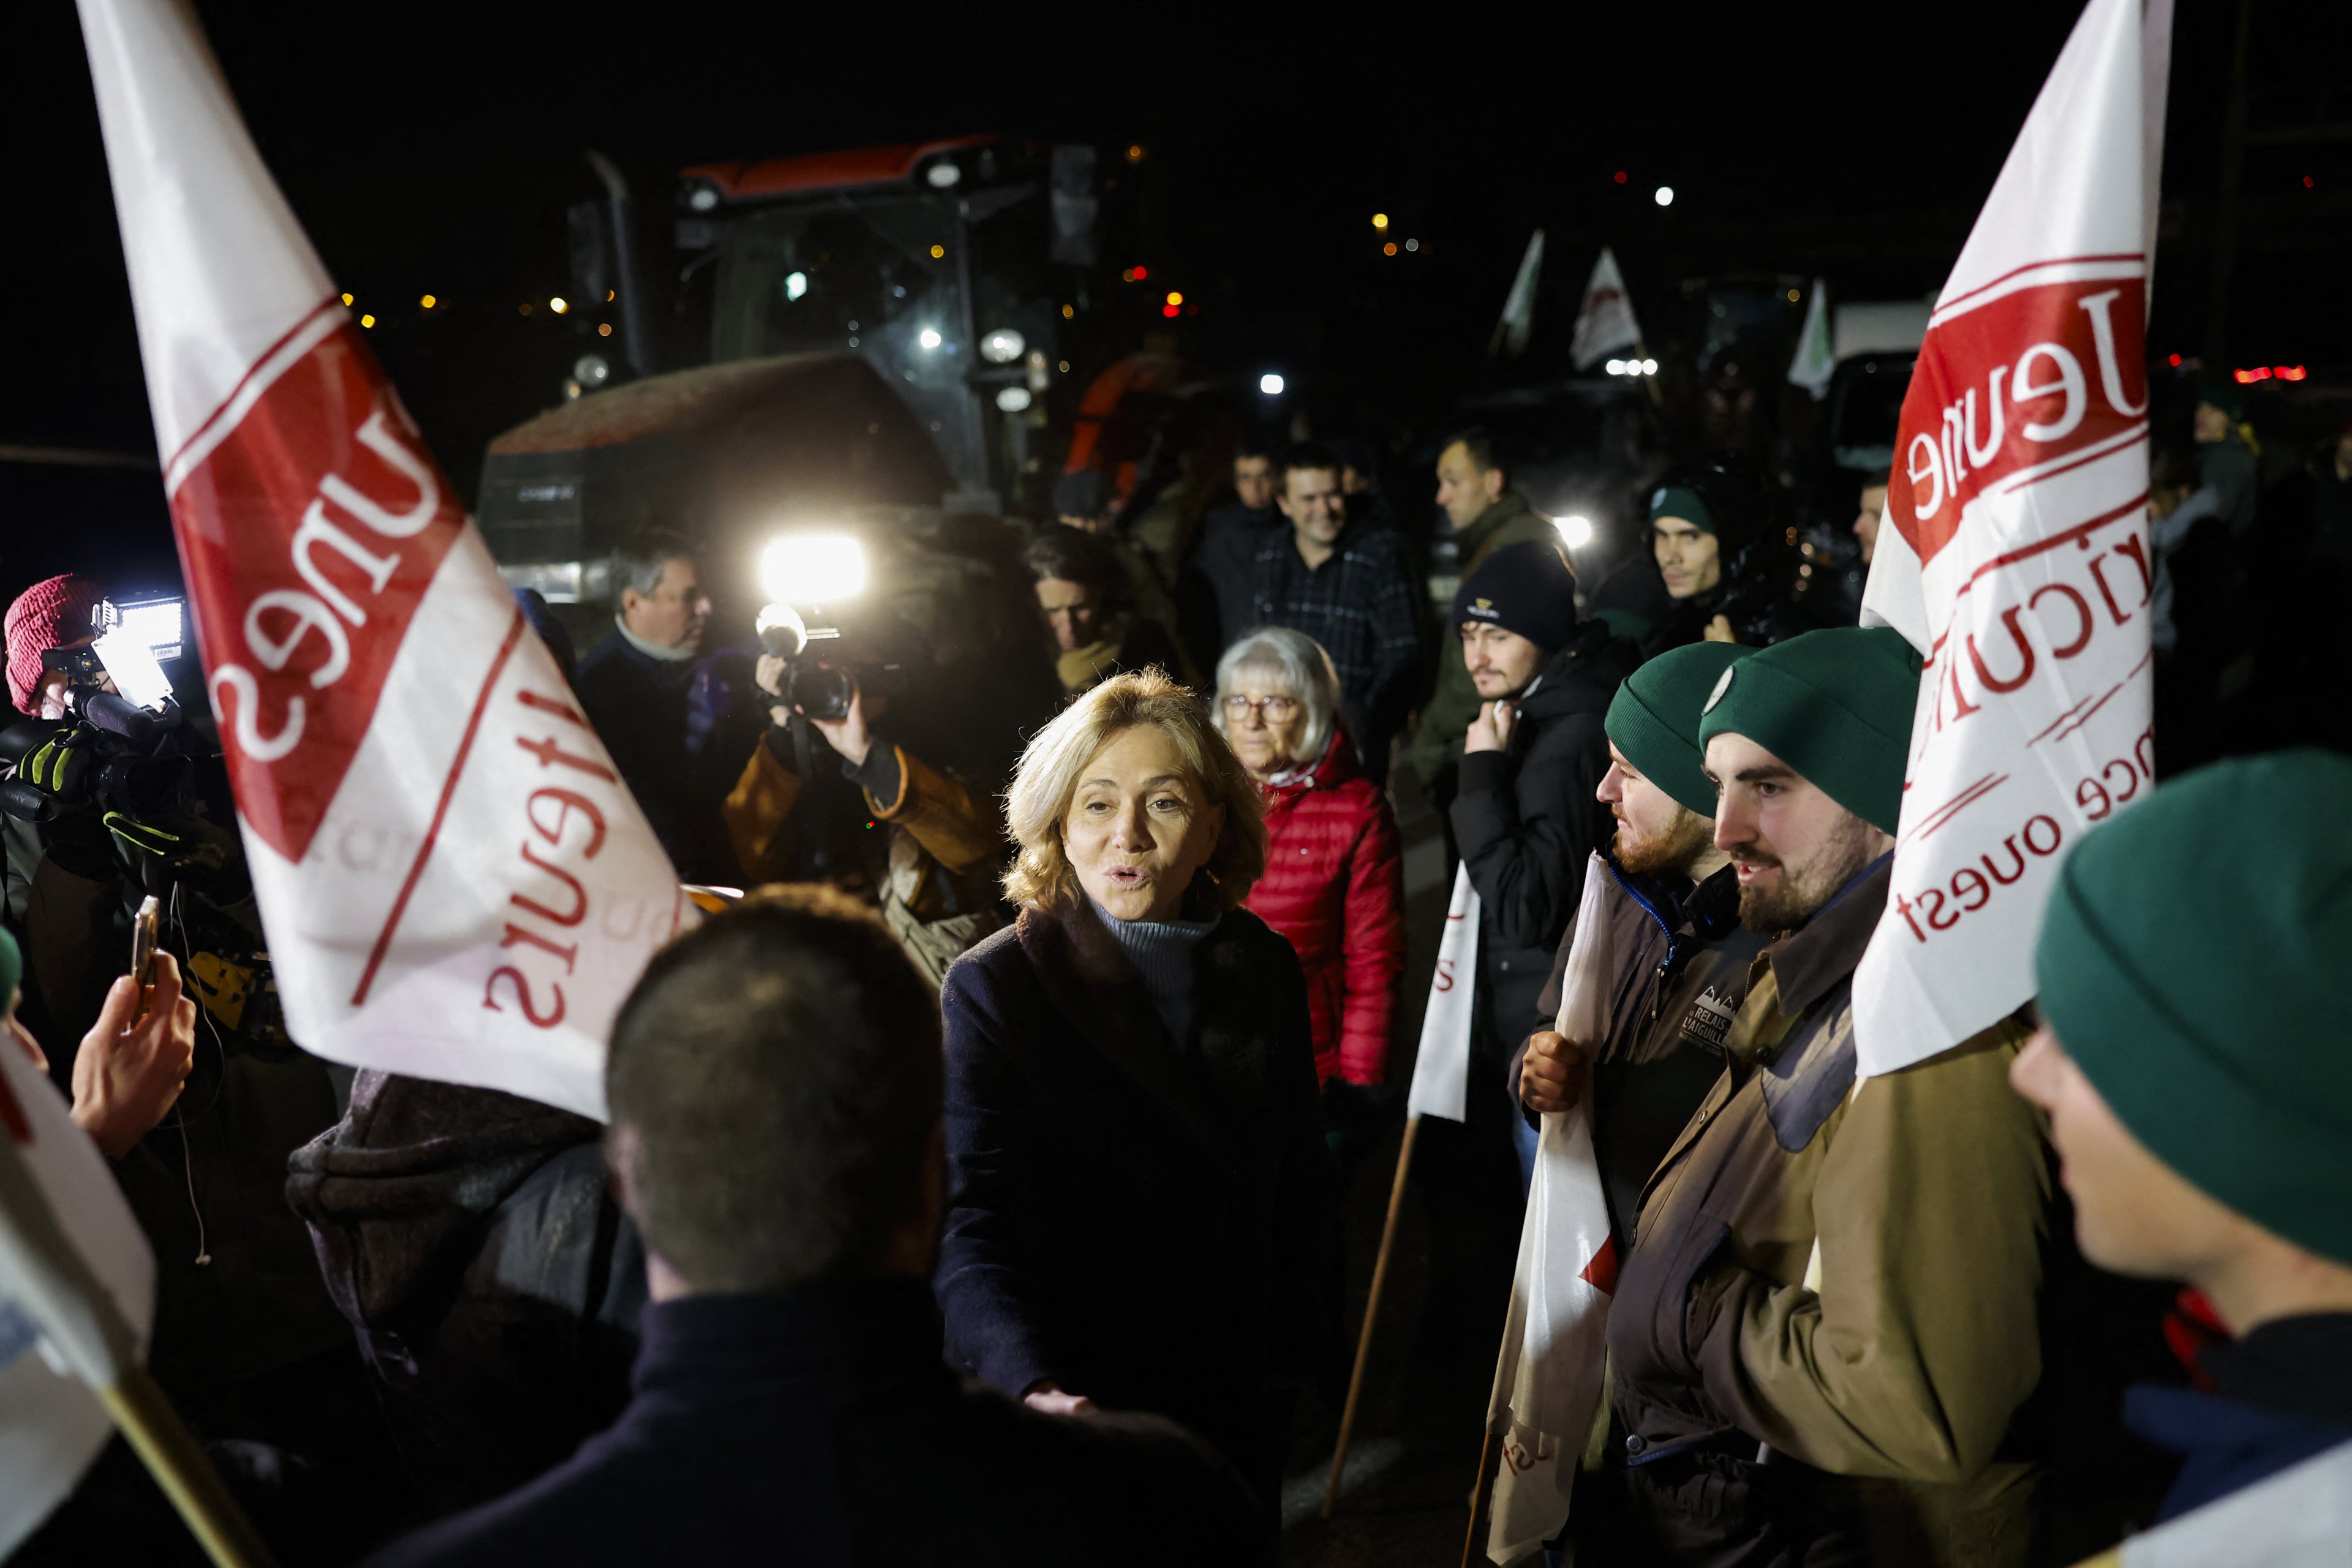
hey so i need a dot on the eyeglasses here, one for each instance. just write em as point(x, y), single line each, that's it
point(1273, 709)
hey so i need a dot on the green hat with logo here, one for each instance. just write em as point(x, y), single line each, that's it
point(1836, 705)
point(2191, 961)
point(1654, 717)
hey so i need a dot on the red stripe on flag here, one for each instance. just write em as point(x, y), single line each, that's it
point(1602, 1272)
point(440, 810)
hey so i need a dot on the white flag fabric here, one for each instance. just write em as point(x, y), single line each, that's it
point(1441, 1071)
point(55, 1191)
point(1555, 1341)
point(1518, 321)
point(2299, 1517)
point(455, 883)
point(2016, 557)
point(1816, 361)
point(1605, 322)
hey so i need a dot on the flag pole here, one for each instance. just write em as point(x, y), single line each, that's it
point(172, 1456)
point(1478, 1497)
point(77, 1314)
point(1372, 1313)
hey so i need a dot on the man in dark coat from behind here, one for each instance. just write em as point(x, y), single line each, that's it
point(774, 1083)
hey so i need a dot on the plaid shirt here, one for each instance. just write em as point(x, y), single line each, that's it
point(1359, 605)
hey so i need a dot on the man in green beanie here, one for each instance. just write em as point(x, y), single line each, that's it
point(2227, 458)
point(1682, 954)
point(2196, 1066)
point(1829, 1319)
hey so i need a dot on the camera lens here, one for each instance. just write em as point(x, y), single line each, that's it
point(819, 692)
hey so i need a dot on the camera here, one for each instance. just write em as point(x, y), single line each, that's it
point(808, 687)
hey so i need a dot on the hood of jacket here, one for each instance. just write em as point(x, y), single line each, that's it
point(1581, 678)
point(396, 1193)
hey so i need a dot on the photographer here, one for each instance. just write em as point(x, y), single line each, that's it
point(109, 803)
point(873, 733)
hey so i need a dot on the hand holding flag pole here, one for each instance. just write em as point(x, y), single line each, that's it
point(45, 1277)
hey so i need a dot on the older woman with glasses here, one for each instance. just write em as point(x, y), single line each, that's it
point(1334, 880)
point(1140, 1207)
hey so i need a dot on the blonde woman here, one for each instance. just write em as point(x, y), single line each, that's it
point(1140, 1203)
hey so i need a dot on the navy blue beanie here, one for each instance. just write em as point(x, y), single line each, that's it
point(1526, 588)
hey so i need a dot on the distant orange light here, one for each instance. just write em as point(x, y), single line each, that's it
point(367, 321)
point(2247, 377)
point(1135, 154)
point(1389, 249)
point(347, 299)
point(1175, 298)
point(2292, 373)
point(428, 301)
point(603, 329)
point(1069, 313)
point(937, 251)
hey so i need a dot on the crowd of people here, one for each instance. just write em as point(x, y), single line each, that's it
point(971, 1186)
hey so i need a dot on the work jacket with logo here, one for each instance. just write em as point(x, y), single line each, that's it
point(1845, 1275)
point(1681, 959)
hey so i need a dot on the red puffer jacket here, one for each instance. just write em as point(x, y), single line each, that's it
point(1334, 885)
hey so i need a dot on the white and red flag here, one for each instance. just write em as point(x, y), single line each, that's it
point(1548, 1378)
point(2016, 559)
point(455, 883)
point(1604, 322)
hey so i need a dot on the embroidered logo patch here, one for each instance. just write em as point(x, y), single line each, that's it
point(1710, 1017)
point(1722, 685)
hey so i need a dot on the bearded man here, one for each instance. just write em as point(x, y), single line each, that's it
point(1828, 1322)
point(1682, 955)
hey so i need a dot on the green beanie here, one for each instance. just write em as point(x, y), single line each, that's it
point(2189, 962)
point(1836, 705)
point(2224, 395)
point(1654, 717)
point(1675, 501)
point(12, 975)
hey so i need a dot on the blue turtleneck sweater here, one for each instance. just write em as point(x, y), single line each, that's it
point(1162, 952)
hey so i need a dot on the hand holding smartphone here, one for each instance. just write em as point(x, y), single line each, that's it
point(143, 942)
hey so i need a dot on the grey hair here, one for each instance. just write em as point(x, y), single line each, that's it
point(1301, 667)
point(639, 559)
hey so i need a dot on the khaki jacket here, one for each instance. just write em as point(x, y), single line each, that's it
point(1846, 1273)
point(1437, 741)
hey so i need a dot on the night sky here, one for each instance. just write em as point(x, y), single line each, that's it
point(435, 149)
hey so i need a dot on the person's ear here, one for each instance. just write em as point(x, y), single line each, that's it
point(622, 1155)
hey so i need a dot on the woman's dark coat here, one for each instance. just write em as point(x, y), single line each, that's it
point(1144, 1223)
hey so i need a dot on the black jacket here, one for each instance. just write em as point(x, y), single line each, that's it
point(2281, 1396)
point(819, 1427)
point(1525, 819)
point(1220, 583)
point(1146, 1222)
point(642, 708)
point(470, 1239)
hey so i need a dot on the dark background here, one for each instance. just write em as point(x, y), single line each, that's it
point(435, 149)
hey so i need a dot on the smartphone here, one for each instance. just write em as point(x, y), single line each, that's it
point(142, 942)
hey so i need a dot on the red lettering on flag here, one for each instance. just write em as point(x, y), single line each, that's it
point(2010, 389)
point(308, 534)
